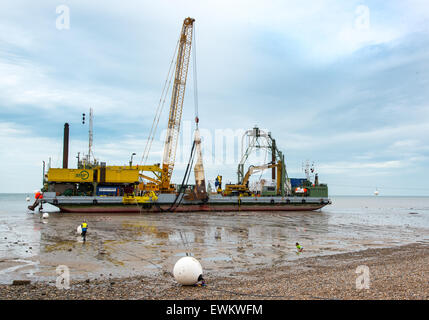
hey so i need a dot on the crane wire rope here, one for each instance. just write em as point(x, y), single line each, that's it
point(161, 104)
point(194, 68)
point(180, 193)
point(217, 289)
point(183, 185)
point(265, 161)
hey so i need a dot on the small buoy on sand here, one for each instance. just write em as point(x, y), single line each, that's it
point(187, 270)
point(79, 229)
point(45, 215)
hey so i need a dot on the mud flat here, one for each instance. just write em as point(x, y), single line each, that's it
point(124, 246)
point(394, 273)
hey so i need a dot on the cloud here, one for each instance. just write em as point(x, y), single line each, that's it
point(21, 157)
point(354, 100)
point(342, 167)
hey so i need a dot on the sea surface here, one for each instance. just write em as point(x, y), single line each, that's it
point(121, 245)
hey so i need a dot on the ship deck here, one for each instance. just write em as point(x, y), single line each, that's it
point(165, 201)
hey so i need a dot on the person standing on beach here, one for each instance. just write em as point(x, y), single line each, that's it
point(84, 229)
point(299, 248)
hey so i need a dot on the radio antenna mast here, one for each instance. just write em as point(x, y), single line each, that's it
point(90, 136)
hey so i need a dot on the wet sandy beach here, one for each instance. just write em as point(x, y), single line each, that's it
point(236, 249)
point(225, 243)
point(394, 273)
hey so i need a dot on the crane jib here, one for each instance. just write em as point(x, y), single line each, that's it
point(176, 105)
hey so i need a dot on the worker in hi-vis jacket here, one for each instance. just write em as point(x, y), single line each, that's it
point(84, 229)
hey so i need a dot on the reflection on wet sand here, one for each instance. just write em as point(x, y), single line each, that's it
point(225, 243)
point(120, 245)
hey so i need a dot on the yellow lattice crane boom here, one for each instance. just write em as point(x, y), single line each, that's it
point(176, 105)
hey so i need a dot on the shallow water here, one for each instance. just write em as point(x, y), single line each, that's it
point(123, 245)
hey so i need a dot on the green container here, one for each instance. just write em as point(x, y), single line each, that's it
point(320, 191)
point(268, 191)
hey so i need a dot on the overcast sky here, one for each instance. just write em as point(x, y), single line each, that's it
point(340, 83)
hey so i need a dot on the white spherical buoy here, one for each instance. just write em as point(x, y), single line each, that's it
point(187, 270)
point(79, 229)
point(45, 215)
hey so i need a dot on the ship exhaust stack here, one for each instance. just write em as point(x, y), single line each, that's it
point(66, 146)
point(273, 159)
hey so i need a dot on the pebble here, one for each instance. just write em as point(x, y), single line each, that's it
point(20, 282)
point(396, 273)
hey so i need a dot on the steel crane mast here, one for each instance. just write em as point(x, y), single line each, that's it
point(176, 105)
